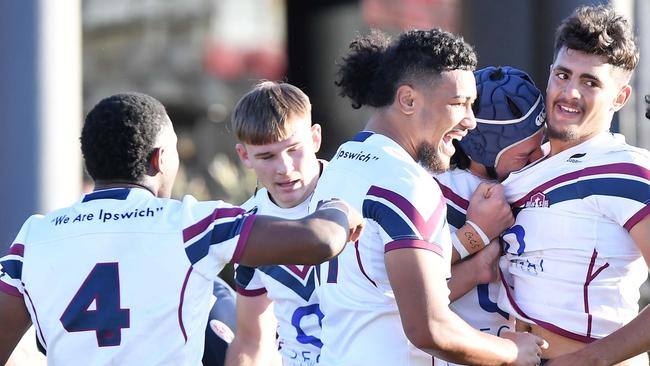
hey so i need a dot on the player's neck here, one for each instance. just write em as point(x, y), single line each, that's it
point(106, 184)
point(386, 124)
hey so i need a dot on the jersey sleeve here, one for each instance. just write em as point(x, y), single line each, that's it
point(218, 238)
point(403, 223)
point(248, 281)
point(621, 193)
point(11, 265)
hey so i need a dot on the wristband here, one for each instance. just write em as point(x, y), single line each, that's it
point(460, 248)
point(480, 232)
point(335, 204)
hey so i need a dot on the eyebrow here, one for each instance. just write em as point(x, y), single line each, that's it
point(582, 76)
point(265, 153)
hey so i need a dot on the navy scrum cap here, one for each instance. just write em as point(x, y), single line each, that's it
point(508, 109)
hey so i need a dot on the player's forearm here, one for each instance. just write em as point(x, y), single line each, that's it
point(311, 240)
point(15, 321)
point(463, 279)
point(242, 353)
point(629, 341)
point(454, 340)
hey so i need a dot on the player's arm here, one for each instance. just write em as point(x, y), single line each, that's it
point(431, 326)
point(15, 321)
point(488, 215)
point(254, 342)
point(628, 341)
point(478, 269)
point(310, 240)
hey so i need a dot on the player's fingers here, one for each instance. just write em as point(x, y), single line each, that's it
point(541, 342)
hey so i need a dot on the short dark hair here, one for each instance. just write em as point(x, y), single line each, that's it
point(119, 135)
point(261, 115)
point(376, 66)
point(599, 30)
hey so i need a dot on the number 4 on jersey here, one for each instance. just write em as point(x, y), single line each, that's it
point(96, 306)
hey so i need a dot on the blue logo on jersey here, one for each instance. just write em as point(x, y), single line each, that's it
point(520, 245)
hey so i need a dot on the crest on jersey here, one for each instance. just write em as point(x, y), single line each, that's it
point(537, 200)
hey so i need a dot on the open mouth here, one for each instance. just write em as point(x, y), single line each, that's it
point(289, 184)
point(448, 142)
point(567, 110)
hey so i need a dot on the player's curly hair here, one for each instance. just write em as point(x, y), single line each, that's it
point(119, 135)
point(599, 30)
point(376, 66)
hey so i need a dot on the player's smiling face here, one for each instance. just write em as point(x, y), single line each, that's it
point(582, 95)
point(446, 116)
point(289, 168)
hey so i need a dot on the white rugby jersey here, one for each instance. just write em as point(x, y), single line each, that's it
point(571, 266)
point(292, 290)
point(477, 307)
point(123, 277)
point(404, 208)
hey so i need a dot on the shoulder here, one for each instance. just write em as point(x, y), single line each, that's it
point(193, 210)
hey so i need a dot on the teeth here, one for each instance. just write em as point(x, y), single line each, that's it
point(568, 109)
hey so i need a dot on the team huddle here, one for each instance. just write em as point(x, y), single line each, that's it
point(475, 220)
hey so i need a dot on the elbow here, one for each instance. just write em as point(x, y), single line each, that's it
point(327, 244)
point(326, 249)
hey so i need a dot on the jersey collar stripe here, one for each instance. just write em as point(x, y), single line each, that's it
point(637, 217)
point(196, 229)
point(113, 194)
point(9, 290)
point(361, 136)
point(243, 238)
point(17, 249)
point(414, 244)
point(620, 168)
point(453, 197)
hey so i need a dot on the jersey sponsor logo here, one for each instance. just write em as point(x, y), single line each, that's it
point(360, 156)
point(537, 200)
point(541, 118)
point(575, 158)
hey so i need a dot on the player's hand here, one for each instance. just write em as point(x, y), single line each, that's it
point(355, 220)
point(489, 210)
point(529, 348)
point(485, 263)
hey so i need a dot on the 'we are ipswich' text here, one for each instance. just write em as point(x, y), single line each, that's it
point(105, 216)
point(356, 156)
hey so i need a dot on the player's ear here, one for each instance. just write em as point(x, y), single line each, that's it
point(155, 160)
point(622, 97)
point(316, 136)
point(243, 155)
point(405, 99)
